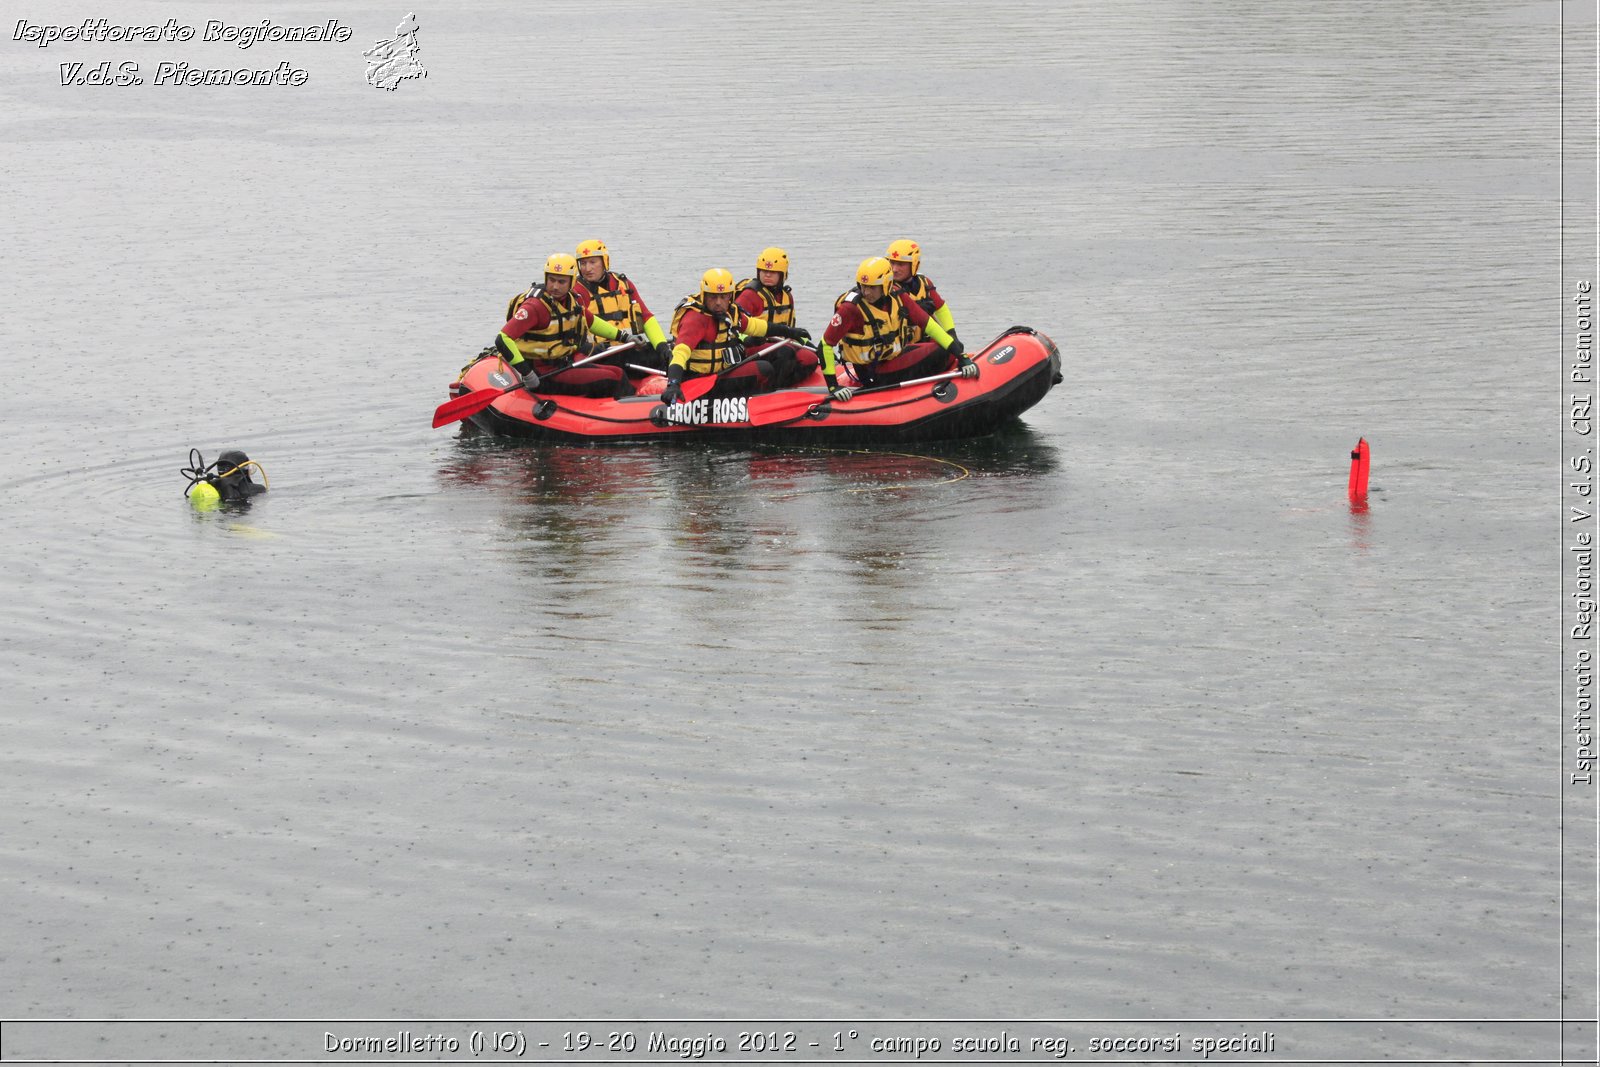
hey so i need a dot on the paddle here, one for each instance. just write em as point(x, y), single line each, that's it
point(464, 407)
point(695, 388)
point(793, 406)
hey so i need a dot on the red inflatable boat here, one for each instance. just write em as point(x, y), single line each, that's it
point(1015, 371)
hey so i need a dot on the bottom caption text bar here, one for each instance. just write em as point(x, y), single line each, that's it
point(812, 1041)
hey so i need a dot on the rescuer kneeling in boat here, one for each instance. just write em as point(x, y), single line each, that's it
point(767, 296)
point(547, 330)
point(906, 256)
point(706, 328)
point(614, 298)
point(880, 330)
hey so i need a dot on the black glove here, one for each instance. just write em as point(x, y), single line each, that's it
point(967, 368)
point(664, 352)
point(802, 335)
point(956, 347)
point(787, 333)
point(673, 393)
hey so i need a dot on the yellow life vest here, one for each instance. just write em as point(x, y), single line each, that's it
point(778, 303)
point(560, 336)
point(921, 290)
point(516, 301)
point(882, 335)
point(721, 350)
point(616, 306)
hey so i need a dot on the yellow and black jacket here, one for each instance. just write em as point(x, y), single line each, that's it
point(882, 334)
point(556, 340)
point(777, 304)
point(612, 299)
point(920, 289)
point(722, 349)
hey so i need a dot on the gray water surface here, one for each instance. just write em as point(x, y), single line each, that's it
point(1122, 713)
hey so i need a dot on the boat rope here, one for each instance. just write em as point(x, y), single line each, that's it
point(852, 410)
point(596, 418)
point(964, 471)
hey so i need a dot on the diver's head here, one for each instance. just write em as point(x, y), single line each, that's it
point(231, 466)
point(233, 476)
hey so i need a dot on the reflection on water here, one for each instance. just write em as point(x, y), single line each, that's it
point(720, 498)
point(1363, 528)
point(733, 537)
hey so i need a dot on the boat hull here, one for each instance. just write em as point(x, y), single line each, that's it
point(1016, 370)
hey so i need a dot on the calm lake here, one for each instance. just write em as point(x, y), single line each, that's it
point(1122, 713)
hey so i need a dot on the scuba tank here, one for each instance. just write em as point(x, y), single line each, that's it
point(225, 480)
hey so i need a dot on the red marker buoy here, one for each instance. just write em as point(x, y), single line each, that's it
point(1360, 465)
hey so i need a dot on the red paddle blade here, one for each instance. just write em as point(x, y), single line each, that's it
point(695, 388)
point(464, 407)
point(765, 411)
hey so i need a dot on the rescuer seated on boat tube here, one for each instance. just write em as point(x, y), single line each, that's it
point(547, 330)
point(614, 298)
point(879, 333)
point(706, 327)
point(906, 256)
point(767, 296)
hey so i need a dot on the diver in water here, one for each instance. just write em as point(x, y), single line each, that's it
point(225, 481)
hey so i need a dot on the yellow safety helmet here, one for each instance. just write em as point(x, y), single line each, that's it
point(875, 271)
point(562, 264)
point(716, 280)
point(906, 250)
point(595, 247)
point(773, 259)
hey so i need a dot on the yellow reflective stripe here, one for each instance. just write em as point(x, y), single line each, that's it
point(508, 348)
point(829, 365)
